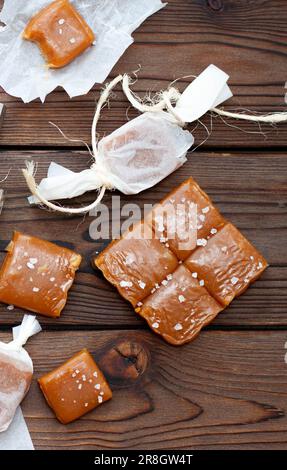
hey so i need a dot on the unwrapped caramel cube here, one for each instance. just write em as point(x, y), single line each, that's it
point(36, 275)
point(180, 308)
point(75, 388)
point(227, 264)
point(185, 219)
point(60, 32)
point(136, 264)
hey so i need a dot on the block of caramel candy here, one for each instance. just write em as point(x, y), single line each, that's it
point(185, 218)
point(228, 264)
point(181, 293)
point(180, 308)
point(136, 264)
point(75, 388)
point(60, 32)
point(36, 275)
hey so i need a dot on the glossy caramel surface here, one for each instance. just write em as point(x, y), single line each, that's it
point(60, 32)
point(75, 388)
point(180, 202)
point(136, 264)
point(36, 275)
point(228, 264)
point(179, 309)
point(180, 293)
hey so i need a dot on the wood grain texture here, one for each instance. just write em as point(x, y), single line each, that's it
point(226, 390)
point(247, 39)
point(249, 188)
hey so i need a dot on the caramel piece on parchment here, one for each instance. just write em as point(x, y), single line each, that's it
point(36, 275)
point(75, 388)
point(60, 32)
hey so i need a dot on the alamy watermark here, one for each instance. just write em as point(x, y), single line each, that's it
point(166, 222)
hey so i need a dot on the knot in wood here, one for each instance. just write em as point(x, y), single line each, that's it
point(216, 5)
point(127, 360)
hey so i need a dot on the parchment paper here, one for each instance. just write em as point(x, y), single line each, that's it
point(23, 72)
point(17, 436)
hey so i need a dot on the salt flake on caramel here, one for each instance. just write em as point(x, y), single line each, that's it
point(60, 32)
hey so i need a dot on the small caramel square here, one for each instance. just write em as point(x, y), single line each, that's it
point(36, 275)
point(60, 32)
point(227, 264)
point(136, 264)
point(75, 388)
point(185, 219)
point(180, 308)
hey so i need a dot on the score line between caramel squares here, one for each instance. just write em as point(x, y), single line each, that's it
point(178, 292)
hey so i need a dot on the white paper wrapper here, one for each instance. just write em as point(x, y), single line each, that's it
point(17, 436)
point(23, 72)
point(139, 154)
point(144, 151)
point(134, 157)
point(16, 369)
point(207, 91)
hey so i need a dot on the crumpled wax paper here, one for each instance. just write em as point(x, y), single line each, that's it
point(23, 72)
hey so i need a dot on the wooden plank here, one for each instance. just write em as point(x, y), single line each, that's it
point(249, 188)
point(243, 38)
point(94, 303)
point(226, 390)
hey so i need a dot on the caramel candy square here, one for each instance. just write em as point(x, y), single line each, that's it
point(185, 219)
point(228, 264)
point(180, 308)
point(36, 275)
point(136, 264)
point(75, 388)
point(60, 32)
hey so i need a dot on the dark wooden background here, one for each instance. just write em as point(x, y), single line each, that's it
point(227, 389)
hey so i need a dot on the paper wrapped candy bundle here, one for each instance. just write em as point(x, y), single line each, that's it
point(140, 153)
point(145, 150)
point(16, 370)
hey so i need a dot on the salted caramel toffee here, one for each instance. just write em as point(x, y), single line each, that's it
point(228, 264)
point(198, 282)
point(180, 308)
point(185, 219)
point(36, 275)
point(75, 388)
point(136, 263)
point(60, 32)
